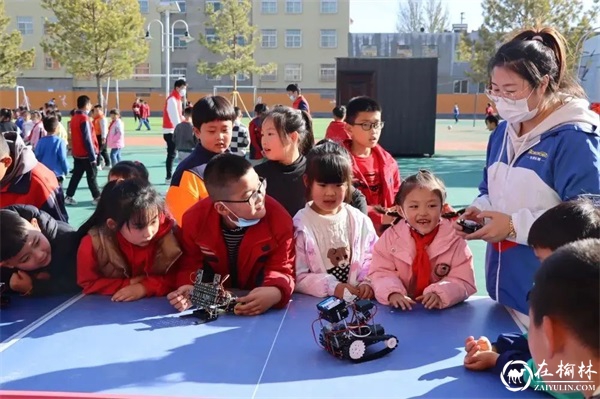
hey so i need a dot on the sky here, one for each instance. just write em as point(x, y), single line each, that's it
point(379, 16)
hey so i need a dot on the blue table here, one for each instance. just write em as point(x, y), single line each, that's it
point(142, 348)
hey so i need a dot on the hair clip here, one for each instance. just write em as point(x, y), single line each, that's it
point(538, 38)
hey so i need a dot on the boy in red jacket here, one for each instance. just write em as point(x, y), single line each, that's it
point(240, 232)
point(336, 130)
point(375, 172)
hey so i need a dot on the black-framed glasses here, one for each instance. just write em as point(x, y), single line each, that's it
point(251, 200)
point(367, 126)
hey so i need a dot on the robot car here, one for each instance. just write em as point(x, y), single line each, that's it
point(349, 339)
point(211, 299)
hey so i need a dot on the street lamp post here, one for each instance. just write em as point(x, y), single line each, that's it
point(167, 37)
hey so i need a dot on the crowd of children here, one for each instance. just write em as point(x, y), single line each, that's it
point(280, 213)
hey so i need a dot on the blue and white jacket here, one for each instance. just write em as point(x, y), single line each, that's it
point(525, 176)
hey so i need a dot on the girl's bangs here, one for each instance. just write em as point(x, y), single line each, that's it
point(143, 216)
point(329, 170)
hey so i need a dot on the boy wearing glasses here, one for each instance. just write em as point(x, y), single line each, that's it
point(374, 171)
point(240, 232)
point(212, 119)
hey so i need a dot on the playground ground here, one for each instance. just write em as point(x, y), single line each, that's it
point(459, 159)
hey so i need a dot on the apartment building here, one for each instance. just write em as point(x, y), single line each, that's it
point(303, 37)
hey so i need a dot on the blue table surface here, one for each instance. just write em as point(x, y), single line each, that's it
point(143, 348)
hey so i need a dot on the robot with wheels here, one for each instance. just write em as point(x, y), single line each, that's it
point(349, 339)
point(211, 299)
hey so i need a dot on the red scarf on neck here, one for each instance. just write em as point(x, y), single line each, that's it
point(421, 267)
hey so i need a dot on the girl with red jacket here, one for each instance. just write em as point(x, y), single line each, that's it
point(129, 247)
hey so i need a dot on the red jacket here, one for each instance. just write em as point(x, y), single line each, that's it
point(174, 103)
point(144, 111)
point(255, 131)
point(140, 260)
point(266, 254)
point(84, 143)
point(389, 178)
point(301, 104)
point(336, 131)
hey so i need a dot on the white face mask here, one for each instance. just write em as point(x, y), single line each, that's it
point(292, 97)
point(182, 92)
point(515, 111)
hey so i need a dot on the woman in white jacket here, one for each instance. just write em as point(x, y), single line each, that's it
point(546, 151)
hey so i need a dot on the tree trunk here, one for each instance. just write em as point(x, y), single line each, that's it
point(99, 90)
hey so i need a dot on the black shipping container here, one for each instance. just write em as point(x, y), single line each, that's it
point(406, 89)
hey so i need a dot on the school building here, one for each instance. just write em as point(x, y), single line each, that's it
point(302, 37)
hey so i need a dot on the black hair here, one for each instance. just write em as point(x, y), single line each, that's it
point(567, 222)
point(328, 163)
point(339, 112)
point(115, 111)
point(422, 179)
point(288, 120)
point(14, 233)
point(238, 112)
point(188, 111)
point(492, 119)
point(261, 108)
point(179, 83)
point(127, 202)
point(360, 104)
point(129, 170)
point(222, 171)
point(82, 102)
point(293, 88)
point(4, 148)
point(72, 112)
point(50, 124)
point(210, 109)
point(97, 106)
point(5, 114)
point(566, 289)
point(533, 54)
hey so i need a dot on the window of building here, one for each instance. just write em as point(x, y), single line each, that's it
point(482, 87)
point(210, 35)
point(142, 69)
point(179, 70)
point(241, 76)
point(329, 6)
point(144, 6)
point(210, 76)
point(328, 38)
point(50, 63)
point(430, 50)
point(269, 77)
point(327, 73)
point(293, 38)
point(46, 21)
point(25, 25)
point(178, 34)
point(293, 72)
point(461, 86)
point(182, 6)
point(216, 4)
point(268, 6)
point(293, 6)
point(268, 38)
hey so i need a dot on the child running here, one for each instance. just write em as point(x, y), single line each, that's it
point(130, 246)
point(421, 258)
point(334, 241)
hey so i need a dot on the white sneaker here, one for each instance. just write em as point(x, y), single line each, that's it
point(168, 182)
point(95, 201)
point(70, 201)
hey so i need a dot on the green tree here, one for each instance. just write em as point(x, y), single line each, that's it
point(503, 18)
point(427, 15)
point(96, 39)
point(234, 39)
point(12, 57)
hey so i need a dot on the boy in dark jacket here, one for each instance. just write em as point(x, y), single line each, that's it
point(38, 254)
point(240, 232)
point(51, 150)
point(23, 180)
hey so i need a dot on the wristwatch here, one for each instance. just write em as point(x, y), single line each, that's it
point(512, 233)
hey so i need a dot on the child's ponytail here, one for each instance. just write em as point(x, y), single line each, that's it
point(307, 141)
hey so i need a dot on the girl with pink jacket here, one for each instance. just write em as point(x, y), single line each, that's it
point(421, 258)
point(334, 241)
point(116, 136)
